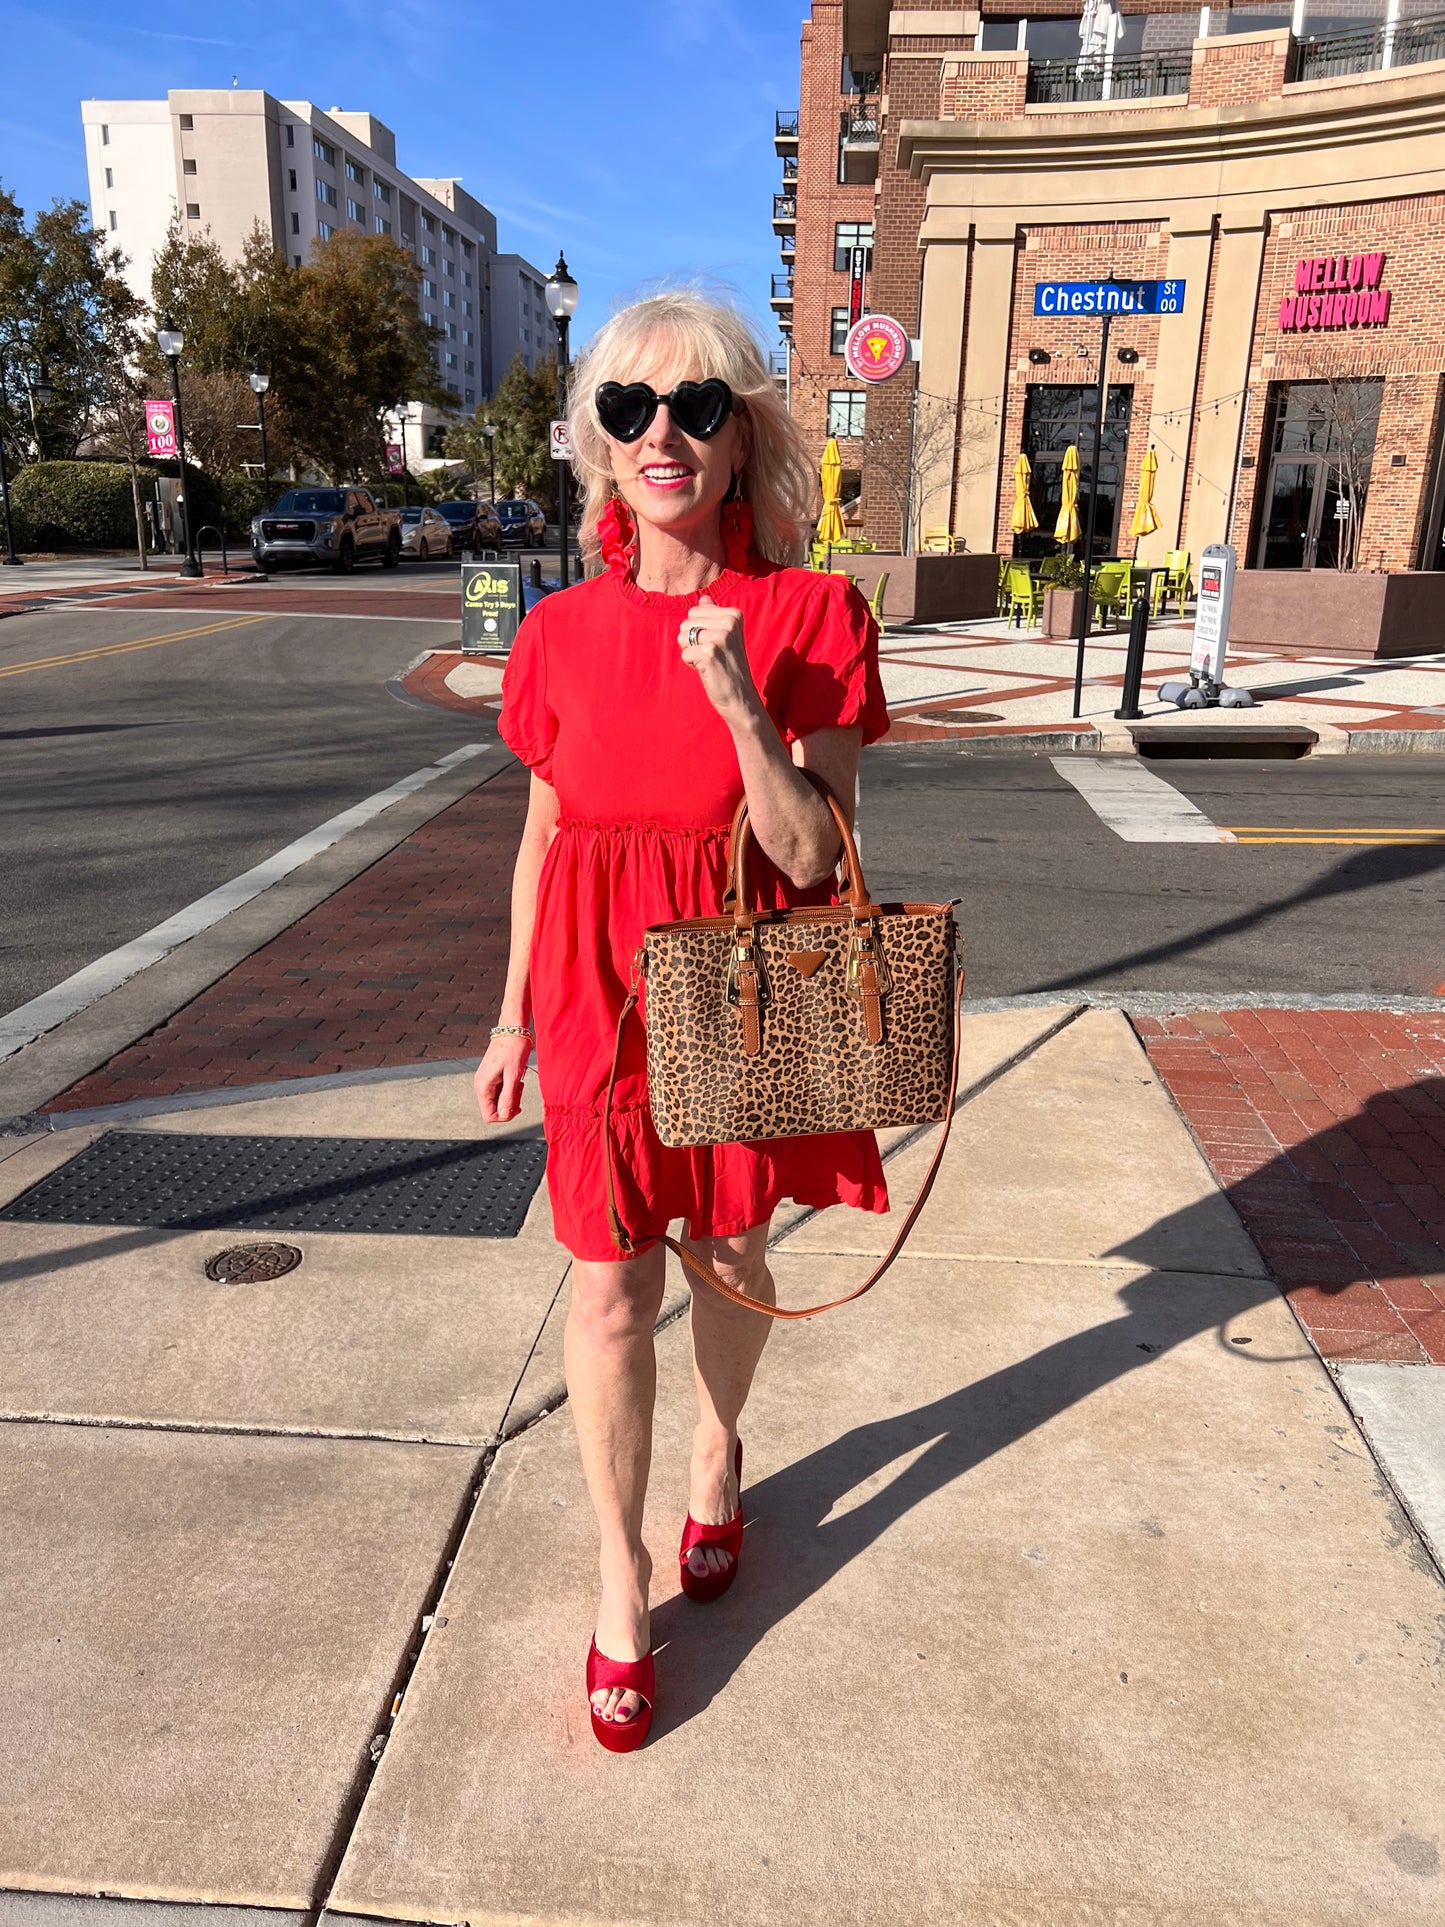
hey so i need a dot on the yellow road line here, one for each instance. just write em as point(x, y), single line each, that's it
point(124, 648)
point(1368, 842)
point(1343, 829)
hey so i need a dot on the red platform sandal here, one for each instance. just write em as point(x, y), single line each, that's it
point(726, 1538)
point(633, 1676)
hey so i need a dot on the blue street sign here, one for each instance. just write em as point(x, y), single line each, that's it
point(1109, 297)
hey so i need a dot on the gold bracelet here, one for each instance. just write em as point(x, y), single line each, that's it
point(513, 1030)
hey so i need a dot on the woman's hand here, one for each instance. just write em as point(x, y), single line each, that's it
point(711, 640)
point(499, 1078)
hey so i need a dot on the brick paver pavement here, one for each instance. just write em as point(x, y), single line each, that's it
point(403, 964)
point(1328, 1128)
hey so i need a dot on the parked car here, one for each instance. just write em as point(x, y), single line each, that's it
point(524, 526)
point(424, 533)
point(337, 527)
point(474, 525)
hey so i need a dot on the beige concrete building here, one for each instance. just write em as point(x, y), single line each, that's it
point(227, 159)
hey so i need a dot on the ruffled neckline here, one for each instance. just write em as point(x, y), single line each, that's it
point(720, 589)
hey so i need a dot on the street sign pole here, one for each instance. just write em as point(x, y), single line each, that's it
point(1092, 520)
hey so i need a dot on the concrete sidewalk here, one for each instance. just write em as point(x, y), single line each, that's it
point(1071, 1591)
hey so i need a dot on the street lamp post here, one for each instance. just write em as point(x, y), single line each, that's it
point(10, 560)
point(260, 382)
point(562, 294)
point(171, 341)
point(405, 471)
point(489, 429)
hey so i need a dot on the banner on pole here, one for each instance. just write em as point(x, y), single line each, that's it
point(395, 460)
point(161, 428)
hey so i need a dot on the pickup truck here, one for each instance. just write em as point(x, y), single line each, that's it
point(337, 527)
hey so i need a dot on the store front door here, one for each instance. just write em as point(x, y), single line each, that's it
point(1301, 521)
point(1321, 442)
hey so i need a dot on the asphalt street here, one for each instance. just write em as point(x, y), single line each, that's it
point(149, 754)
point(133, 779)
point(1052, 899)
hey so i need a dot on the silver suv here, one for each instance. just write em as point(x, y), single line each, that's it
point(337, 527)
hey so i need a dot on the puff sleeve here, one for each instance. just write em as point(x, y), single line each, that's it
point(527, 723)
point(834, 681)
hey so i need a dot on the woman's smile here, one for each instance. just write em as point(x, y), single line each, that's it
point(666, 474)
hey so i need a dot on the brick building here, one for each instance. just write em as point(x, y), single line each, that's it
point(1285, 166)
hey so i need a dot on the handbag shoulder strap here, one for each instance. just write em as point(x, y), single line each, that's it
point(704, 1273)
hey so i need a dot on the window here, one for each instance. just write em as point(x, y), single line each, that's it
point(471, 392)
point(846, 408)
point(382, 227)
point(1061, 415)
point(466, 248)
point(188, 167)
point(296, 260)
point(193, 210)
point(290, 135)
point(429, 289)
point(467, 309)
point(470, 369)
point(449, 300)
point(325, 192)
point(325, 230)
point(428, 225)
point(430, 320)
point(451, 361)
point(467, 341)
point(295, 223)
point(428, 256)
point(355, 171)
point(466, 277)
point(322, 152)
point(356, 211)
point(449, 235)
point(848, 235)
point(187, 123)
point(851, 81)
point(840, 331)
point(114, 224)
point(1002, 36)
point(109, 178)
point(381, 190)
point(451, 331)
point(291, 177)
point(104, 135)
point(450, 267)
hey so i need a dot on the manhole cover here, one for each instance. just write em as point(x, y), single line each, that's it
point(952, 716)
point(252, 1264)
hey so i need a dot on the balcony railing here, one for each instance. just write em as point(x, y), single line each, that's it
point(1401, 43)
point(785, 210)
point(785, 131)
point(1058, 83)
point(859, 123)
point(782, 295)
point(790, 171)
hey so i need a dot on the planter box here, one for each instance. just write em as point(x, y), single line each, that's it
point(928, 588)
point(1061, 613)
point(1323, 612)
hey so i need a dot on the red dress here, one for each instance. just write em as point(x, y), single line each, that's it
point(598, 702)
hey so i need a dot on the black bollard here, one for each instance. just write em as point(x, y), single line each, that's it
point(536, 577)
point(1129, 711)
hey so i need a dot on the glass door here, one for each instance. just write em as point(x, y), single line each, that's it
point(1291, 514)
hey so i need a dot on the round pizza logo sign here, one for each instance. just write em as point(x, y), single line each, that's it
point(876, 348)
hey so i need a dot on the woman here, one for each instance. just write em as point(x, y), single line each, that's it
point(694, 669)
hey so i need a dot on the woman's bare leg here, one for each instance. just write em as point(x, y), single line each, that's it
point(612, 1386)
point(727, 1343)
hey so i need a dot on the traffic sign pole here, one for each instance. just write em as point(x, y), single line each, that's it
point(1092, 520)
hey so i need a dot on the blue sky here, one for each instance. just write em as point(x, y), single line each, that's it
point(636, 135)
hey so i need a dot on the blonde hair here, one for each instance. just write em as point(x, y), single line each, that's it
point(673, 336)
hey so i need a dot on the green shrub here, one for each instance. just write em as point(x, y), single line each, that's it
point(242, 496)
point(68, 505)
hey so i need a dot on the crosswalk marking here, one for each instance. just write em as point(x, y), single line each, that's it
point(1137, 805)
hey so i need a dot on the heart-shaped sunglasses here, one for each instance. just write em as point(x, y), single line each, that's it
point(698, 408)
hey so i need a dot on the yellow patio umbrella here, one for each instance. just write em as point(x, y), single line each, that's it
point(830, 524)
point(1145, 520)
point(1066, 529)
point(1023, 518)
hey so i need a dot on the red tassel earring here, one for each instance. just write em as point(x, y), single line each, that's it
point(616, 533)
point(737, 533)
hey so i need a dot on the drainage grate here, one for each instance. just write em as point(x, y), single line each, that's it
point(449, 1188)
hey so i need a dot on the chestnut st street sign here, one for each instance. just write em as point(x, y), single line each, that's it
point(1108, 297)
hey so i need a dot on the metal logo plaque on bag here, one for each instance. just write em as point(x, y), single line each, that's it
point(491, 606)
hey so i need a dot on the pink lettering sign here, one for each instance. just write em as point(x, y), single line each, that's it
point(1336, 291)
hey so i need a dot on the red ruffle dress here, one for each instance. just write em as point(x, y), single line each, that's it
point(598, 702)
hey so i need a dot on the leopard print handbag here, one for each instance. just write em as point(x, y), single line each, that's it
point(785, 1023)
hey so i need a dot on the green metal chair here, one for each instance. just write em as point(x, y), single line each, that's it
point(1110, 590)
point(1022, 593)
point(1174, 582)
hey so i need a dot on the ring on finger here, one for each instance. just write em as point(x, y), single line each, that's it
point(694, 636)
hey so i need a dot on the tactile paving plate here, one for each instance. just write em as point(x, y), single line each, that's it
point(455, 1188)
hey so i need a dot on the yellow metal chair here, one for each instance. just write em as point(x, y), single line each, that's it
point(875, 601)
point(938, 541)
point(1110, 590)
point(1022, 592)
point(1174, 582)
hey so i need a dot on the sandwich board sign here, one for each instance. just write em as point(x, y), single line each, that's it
point(1211, 619)
point(491, 606)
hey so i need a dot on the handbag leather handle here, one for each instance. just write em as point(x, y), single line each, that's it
point(858, 896)
point(704, 1273)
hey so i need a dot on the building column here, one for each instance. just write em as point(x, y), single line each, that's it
point(1223, 388)
point(945, 279)
point(1176, 381)
point(985, 380)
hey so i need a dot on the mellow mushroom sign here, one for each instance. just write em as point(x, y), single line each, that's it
point(1336, 291)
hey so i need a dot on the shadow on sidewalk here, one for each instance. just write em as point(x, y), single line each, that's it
point(794, 1544)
